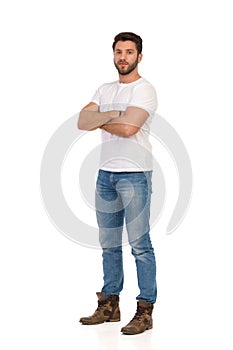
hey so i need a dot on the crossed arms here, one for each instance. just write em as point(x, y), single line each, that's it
point(123, 124)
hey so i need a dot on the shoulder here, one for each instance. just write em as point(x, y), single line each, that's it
point(145, 84)
point(107, 86)
point(145, 88)
point(144, 96)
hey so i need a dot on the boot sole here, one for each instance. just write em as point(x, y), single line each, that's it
point(113, 320)
point(92, 324)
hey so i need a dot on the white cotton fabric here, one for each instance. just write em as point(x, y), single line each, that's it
point(134, 153)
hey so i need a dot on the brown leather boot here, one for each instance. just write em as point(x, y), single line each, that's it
point(142, 320)
point(107, 310)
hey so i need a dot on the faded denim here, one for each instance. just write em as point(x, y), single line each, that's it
point(124, 198)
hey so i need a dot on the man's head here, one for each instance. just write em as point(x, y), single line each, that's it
point(128, 36)
point(127, 49)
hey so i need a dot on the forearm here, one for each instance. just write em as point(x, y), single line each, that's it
point(122, 126)
point(91, 120)
point(119, 129)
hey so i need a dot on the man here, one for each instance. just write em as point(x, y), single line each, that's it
point(123, 111)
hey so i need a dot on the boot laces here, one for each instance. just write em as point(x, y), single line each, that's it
point(138, 314)
point(101, 304)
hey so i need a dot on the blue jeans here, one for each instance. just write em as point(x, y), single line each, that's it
point(125, 197)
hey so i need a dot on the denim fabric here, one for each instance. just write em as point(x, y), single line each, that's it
point(124, 198)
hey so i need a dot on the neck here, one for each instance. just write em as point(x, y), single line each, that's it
point(129, 78)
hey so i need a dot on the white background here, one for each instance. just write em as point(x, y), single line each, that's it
point(54, 54)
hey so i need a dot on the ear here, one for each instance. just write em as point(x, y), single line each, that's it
point(140, 57)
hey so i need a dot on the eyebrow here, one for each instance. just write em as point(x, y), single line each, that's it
point(125, 50)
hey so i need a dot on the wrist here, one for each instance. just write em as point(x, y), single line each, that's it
point(118, 114)
point(115, 114)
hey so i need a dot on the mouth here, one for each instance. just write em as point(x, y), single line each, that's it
point(122, 64)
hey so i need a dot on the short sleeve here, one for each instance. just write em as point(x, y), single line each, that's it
point(96, 97)
point(145, 97)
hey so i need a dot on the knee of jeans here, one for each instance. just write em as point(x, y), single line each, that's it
point(141, 245)
point(110, 237)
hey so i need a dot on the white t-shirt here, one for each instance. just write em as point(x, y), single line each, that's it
point(133, 153)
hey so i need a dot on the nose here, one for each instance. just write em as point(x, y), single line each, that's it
point(122, 56)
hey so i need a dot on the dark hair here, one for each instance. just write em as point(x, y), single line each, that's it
point(128, 36)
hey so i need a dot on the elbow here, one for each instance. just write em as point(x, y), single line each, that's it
point(80, 124)
point(130, 130)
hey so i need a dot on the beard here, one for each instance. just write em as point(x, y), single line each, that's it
point(126, 69)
